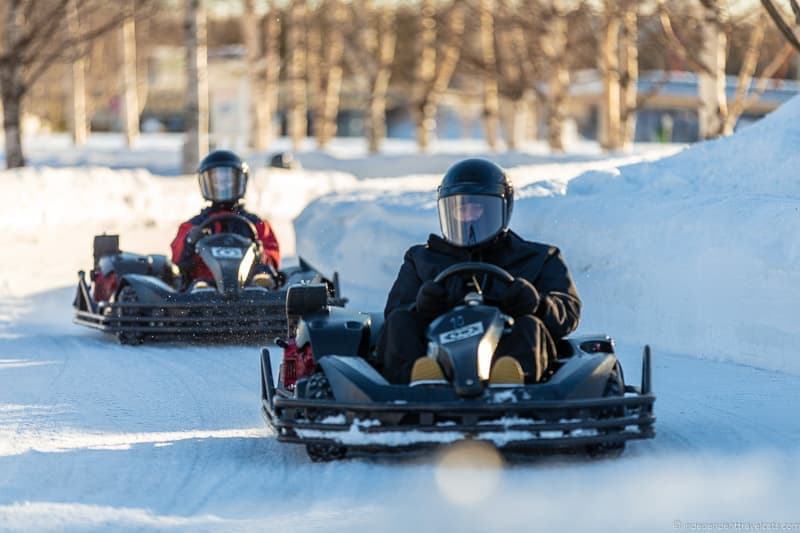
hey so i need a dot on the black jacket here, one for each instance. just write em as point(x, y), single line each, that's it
point(540, 264)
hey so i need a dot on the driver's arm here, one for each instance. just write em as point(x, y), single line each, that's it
point(270, 250)
point(181, 253)
point(405, 288)
point(560, 306)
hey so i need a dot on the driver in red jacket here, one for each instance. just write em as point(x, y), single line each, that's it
point(223, 181)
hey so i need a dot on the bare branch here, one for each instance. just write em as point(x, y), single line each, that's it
point(677, 45)
point(782, 25)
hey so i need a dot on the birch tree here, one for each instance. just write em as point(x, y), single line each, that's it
point(34, 39)
point(553, 44)
point(196, 142)
point(716, 115)
point(130, 79)
point(78, 120)
point(491, 98)
point(329, 82)
point(788, 29)
point(370, 52)
point(296, 74)
point(618, 61)
point(436, 62)
point(261, 39)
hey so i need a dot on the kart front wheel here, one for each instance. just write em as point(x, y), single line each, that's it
point(614, 387)
point(319, 388)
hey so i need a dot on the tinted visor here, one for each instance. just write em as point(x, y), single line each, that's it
point(470, 219)
point(222, 184)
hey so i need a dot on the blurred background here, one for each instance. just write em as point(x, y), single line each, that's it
point(507, 73)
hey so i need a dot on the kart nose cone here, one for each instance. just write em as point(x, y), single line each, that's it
point(468, 387)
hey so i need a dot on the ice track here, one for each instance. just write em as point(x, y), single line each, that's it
point(96, 435)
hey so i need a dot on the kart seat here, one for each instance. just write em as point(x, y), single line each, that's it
point(375, 329)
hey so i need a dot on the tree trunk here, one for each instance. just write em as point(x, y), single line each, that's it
point(385, 40)
point(12, 112)
point(130, 85)
point(610, 135)
point(746, 72)
point(629, 59)
point(711, 84)
point(554, 44)
point(255, 78)
point(296, 43)
point(272, 66)
point(491, 101)
point(513, 113)
point(434, 70)
point(197, 85)
point(12, 91)
point(532, 114)
point(78, 97)
point(424, 73)
point(327, 109)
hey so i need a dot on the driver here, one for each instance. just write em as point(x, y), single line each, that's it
point(475, 200)
point(222, 176)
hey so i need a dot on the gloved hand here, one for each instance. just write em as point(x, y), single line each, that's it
point(432, 300)
point(194, 235)
point(520, 298)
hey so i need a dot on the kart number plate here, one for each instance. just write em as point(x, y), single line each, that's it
point(225, 252)
point(459, 334)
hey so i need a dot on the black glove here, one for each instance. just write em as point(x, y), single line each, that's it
point(432, 300)
point(520, 298)
point(194, 235)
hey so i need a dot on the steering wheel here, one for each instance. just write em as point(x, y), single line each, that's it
point(473, 268)
point(204, 229)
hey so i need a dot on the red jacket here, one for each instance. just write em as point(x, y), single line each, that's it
point(193, 266)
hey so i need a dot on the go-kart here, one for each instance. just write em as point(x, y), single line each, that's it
point(331, 397)
point(144, 297)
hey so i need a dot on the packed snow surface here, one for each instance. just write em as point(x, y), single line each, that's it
point(695, 253)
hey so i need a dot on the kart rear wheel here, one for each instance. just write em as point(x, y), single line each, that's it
point(614, 387)
point(319, 388)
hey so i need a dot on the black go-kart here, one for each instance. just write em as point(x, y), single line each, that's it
point(330, 396)
point(144, 297)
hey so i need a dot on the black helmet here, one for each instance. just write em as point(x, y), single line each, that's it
point(222, 176)
point(475, 201)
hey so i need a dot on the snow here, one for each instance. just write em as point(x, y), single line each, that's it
point(695, 253)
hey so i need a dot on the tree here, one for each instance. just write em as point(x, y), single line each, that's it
point(439, 51)
point(130, 85)
point(371, 52)
point(717, 116)
point(296, 43)
point(196, 141)
point(78, 118)
point(261, 39)
point(491, 97)
point(34, 39)
point(619, 68)
point(789, 33)
point(327, 72)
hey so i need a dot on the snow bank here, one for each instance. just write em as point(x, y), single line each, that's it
point(695, 253)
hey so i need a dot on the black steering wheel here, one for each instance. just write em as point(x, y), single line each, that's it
point(197, 232)
point(473, 268)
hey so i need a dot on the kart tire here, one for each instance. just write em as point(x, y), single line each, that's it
point(319, 388)
point(615, 386)
point(127, 294)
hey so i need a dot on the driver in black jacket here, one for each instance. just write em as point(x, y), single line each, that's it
point(475, 201)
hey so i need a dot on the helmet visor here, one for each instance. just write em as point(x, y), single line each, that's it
point(470, 219)
point(222, 184)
